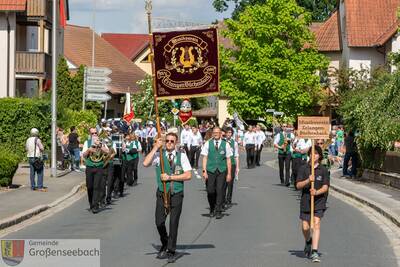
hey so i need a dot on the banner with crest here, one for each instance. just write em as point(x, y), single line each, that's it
point(186, 63)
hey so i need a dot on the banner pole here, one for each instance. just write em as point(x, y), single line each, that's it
point(165, 193)
point(312, 185)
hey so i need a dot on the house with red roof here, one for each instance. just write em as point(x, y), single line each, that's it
point(136, 47)
point(125, 74)
point(25, 45)
point(360, 33)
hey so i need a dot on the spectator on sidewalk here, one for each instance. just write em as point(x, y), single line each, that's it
point(351, 153)
point(34, 148)
point(73, 147)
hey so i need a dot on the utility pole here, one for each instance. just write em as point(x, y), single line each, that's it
point(54, 93)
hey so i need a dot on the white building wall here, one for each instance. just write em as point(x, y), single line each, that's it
point(145, 66)
point(5, 40)
point(367, 58)
point(334, 65)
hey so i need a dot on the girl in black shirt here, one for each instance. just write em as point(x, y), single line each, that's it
point(320, 192)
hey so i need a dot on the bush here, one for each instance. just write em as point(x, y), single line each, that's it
point(18, 116)
point(8, 165)
point(82, 119)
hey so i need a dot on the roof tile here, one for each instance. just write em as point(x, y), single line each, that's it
point(327, 34)
point(131, 45)
point(78, 49)
point(12, 5)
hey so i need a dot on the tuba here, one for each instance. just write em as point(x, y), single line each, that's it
point(99, 155)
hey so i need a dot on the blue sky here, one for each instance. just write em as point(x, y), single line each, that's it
point(128, 16)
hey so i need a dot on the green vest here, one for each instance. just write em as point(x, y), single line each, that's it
point(281, 141)
point(232, 144)
point(89, 162)
point(297, 155)
point(177, 185)
point(216, 160)
point(129, 157)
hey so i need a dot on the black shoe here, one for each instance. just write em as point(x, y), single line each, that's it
point(95, 210)
point(108, 201)
point(135, 183)
point(171, 257)
point(287, 184)
point(121, 194)
point(218, 216)
point(258, 164)
point(162, 253)
point(212, 213)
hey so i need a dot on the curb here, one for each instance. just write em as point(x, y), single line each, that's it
point(25, 215)
point(394, 218)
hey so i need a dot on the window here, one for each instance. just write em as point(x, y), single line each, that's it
point(27, 88)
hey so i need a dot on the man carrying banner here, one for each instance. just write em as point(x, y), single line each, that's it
point(217, 167)
point(177, 170)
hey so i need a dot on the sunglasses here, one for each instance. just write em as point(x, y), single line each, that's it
point(94, 133)
point(320, 143)
point(170, 141)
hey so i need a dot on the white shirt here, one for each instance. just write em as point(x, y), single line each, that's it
point(138, 146)
point(249, 138)
point(30, 147)
point(138, 132)
point(184, 160)
point(151, 132)
point(302, 144)
point(195, 140)
point(289, 136)
point(260, 138)
point(185, 136)
point(235, 148)
point(228, 150)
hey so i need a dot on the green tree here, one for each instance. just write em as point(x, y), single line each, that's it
point(320, 9)
point(274, 62)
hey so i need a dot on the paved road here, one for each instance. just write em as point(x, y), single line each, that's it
point(262, 229)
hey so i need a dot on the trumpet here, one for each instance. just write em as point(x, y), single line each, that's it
point(285, 142)
point(98, 155)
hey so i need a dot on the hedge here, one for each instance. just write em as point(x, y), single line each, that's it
point(18, 116)
point(8, 165)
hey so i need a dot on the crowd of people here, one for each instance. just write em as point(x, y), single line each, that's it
point(111, 158)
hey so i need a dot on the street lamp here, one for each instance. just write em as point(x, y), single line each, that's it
point(148, 5)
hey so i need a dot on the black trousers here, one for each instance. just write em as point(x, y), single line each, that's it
point(176, 201)
point(258, 155)
point(228, 189)
point(108, 171)
point(130, 171)
point(250, 155)
point(296, 164)
point(112, 180)
point(194, 156)
point(284, 165)
point(143, 145)
point(119, 178)
point(186, 148)
point(94, 177)
point(150, 142)
point(215, 189)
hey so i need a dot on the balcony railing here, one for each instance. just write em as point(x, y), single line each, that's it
point(37, 9)
point(33, 63)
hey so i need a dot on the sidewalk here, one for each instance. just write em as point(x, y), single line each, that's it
point(22, 203)
point(384, 199)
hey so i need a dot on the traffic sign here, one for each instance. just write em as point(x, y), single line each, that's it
point(98, 97)
point(98, 80)
point(93, 88)
point(98, 71)
point(175, 111)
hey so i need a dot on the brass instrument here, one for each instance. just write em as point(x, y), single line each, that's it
point(98, 155)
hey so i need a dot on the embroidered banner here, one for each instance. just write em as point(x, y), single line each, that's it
point(186, 63)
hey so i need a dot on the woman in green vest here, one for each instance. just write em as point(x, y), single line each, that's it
point(177, 170)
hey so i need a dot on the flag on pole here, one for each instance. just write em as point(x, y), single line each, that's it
point(128, 109)
point(63, 17)
point(186, 63)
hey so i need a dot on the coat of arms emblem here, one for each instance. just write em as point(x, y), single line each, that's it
point(12, 251)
